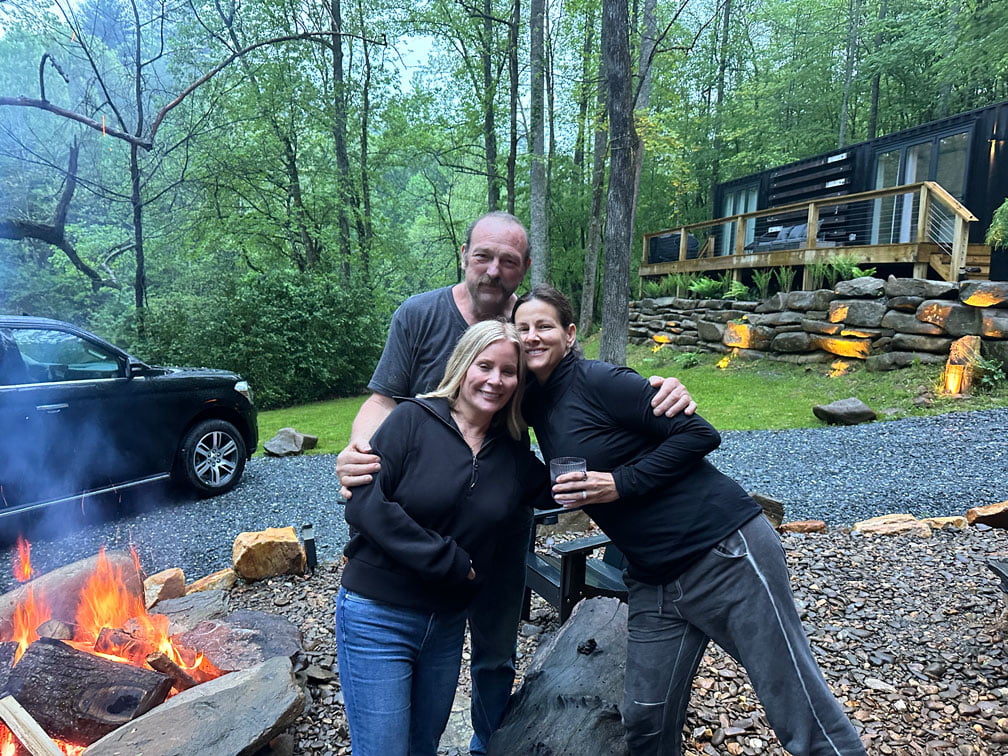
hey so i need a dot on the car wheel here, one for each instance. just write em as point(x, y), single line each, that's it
point(212, 457)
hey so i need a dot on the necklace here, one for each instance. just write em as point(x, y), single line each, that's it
point(473, 435)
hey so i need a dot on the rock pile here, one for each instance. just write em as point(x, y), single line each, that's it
point(888, 324)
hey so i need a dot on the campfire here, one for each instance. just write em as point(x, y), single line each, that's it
point(108, 647)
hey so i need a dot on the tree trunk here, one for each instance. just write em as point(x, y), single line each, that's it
point(513, 35)
point(853, 22)
point(718, 99)
point(365, 224)
point(876, 81)
point(537, 178)
point(619, 207)
point(489, 124)
point(594, 242)
point(339, 133)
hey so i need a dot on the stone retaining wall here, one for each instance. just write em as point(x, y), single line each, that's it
point(887, 324)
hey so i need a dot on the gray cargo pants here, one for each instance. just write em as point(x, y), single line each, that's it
point(739, 596)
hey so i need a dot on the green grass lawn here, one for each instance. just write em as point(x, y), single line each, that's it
point(746, 395)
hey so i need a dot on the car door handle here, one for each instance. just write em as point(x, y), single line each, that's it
point(51, 408)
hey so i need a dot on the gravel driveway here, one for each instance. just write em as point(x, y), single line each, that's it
point(937, 465)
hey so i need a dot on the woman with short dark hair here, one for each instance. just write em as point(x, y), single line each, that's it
point(703, 563)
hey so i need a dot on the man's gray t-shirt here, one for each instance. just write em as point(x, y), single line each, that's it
point(423, 333)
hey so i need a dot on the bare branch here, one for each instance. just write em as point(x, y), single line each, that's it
point(148, 143)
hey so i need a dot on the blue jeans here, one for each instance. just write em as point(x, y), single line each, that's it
point(398, 669)
point(493, 629)
point(739, 596)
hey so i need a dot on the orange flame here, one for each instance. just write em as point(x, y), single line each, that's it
point(28, 615)
point(111, 622)
point(9, 744)
point(23, 571)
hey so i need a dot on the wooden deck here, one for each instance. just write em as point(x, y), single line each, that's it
point(931, 226)
point(927, 258)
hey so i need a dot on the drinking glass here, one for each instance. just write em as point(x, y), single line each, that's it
point(560, 465)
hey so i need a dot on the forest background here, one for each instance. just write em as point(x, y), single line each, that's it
point(256, 185)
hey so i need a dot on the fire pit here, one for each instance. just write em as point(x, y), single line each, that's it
point(82, 655)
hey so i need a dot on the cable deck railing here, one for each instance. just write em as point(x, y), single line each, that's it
point(921, 224)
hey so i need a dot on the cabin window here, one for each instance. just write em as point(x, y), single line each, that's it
point(942, 158)
point(736, 202)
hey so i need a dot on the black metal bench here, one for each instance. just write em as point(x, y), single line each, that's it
point(568, 575)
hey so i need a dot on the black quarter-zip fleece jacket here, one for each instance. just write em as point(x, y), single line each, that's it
point(434, 508)
point(673, 505)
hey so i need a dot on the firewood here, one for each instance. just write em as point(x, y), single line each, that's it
point(79, 697)
point(26, 729)
point(119, 642)
point(162, 663)
point(55, 629)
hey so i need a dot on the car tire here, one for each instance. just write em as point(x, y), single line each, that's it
point(211, 457)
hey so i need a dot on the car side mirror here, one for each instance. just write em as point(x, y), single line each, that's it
point(135, 368)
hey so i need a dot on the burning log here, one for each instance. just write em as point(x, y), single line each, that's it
point(8, 652)
point(26, 729)
point(181, 679)
point(79, 697)
point(60, 588)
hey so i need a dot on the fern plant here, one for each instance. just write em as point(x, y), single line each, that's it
point(761, 282)
point(785, 278)
point(706, 287)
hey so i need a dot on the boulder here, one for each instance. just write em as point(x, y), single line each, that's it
point(288, 442)
point(893, 524)
point(896, 360)
point(850, 411)
point(222, 580)
point(809, 300)
point(806, 358)
point(957, 522)
point(569, 701)
point(954, 318)
point(911, 342)
point(266, 553)
point(866, 286)
point(994, 515)
point(710, 331)
point(793, 342)
point(994, 324)
point(773, 319)
point(920, 287)
point(821, 326)
point(237, 713)
point(984, 293)
point(905, 304)
point(186, 612)
point(243, 639)
point(857, 312)
point(167, 584)
point(906, 323)
point(842, 347)
point(774, 303)
point(803, 526)
point(745, 336)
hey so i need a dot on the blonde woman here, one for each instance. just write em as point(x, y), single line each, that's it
point(455, 468)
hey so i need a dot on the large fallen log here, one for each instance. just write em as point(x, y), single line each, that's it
point(569, 701)
point(79, 697)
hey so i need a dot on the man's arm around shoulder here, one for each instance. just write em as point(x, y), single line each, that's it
point(356, 464)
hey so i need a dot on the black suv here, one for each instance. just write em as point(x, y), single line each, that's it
point(80, 417)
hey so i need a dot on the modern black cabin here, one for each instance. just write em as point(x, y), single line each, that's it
point(915, 202)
